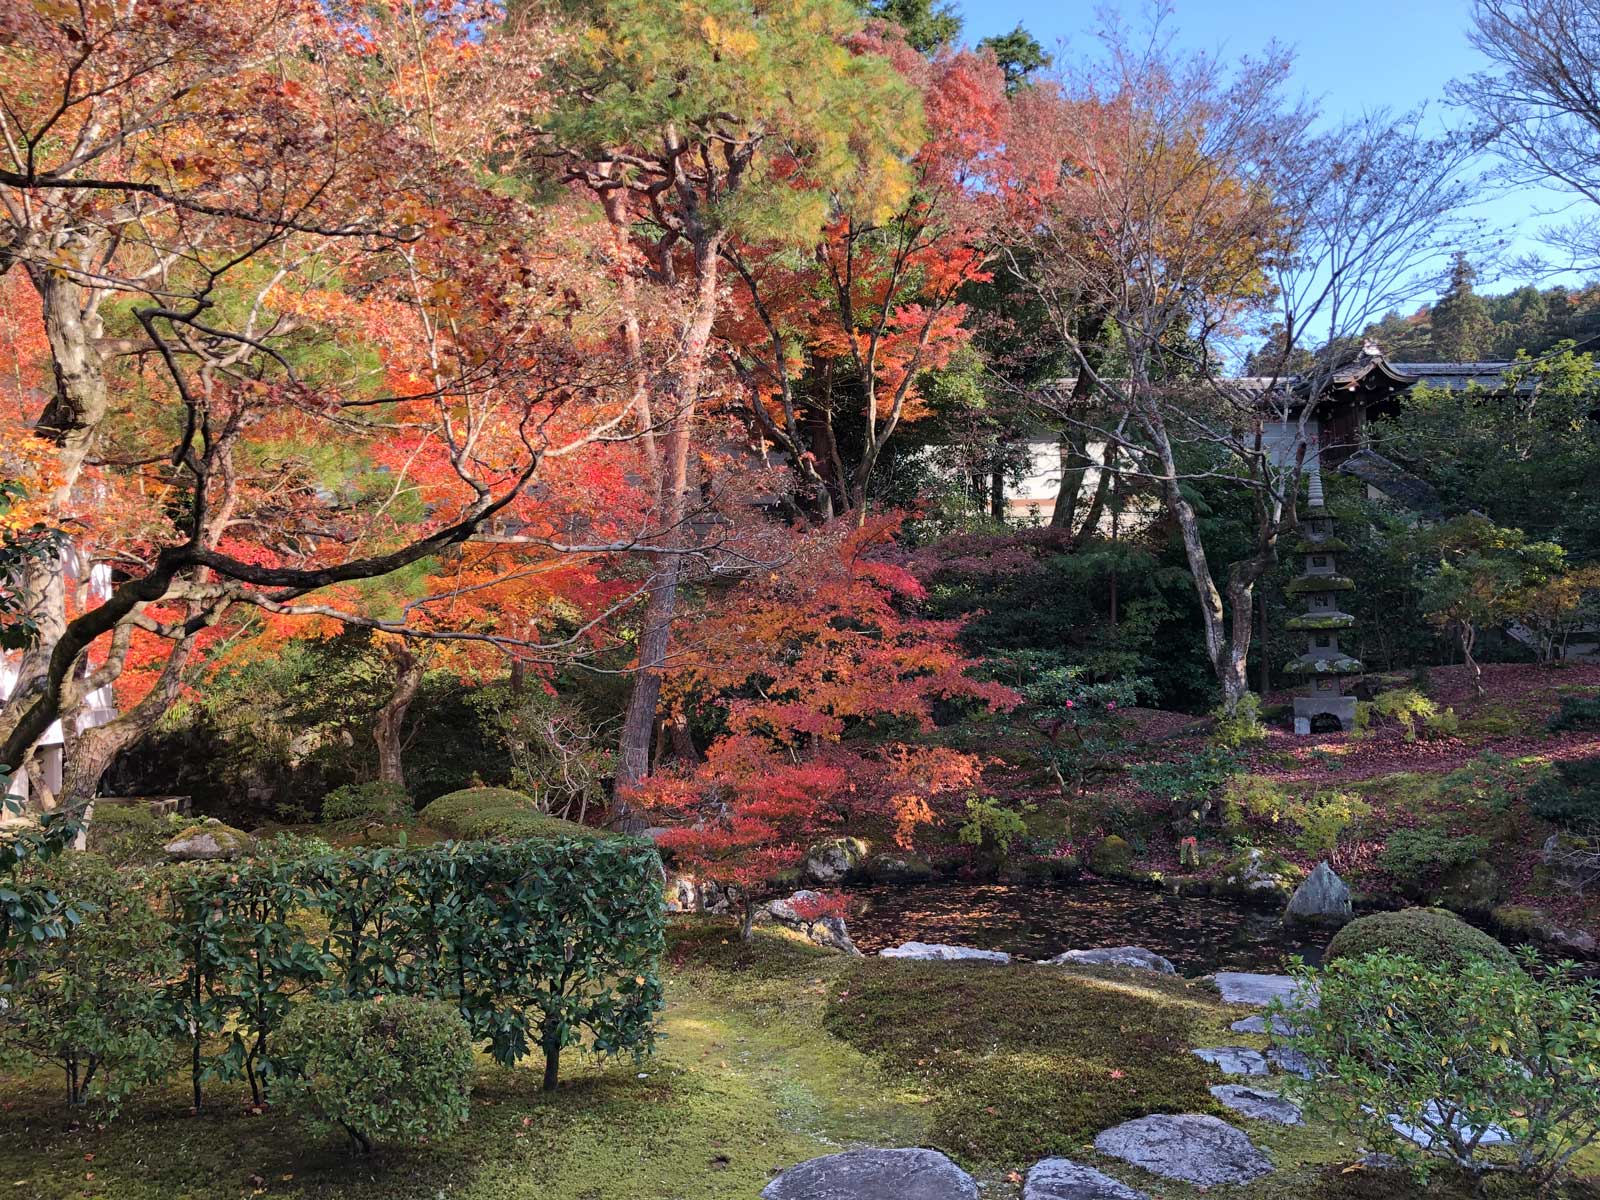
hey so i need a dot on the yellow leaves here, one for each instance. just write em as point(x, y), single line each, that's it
point(734, 43)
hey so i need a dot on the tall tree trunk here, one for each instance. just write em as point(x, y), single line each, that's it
point(387, 729)
point(639, 723)
point(997, 488)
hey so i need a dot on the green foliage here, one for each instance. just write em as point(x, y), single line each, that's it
point(128, 833)
point(30, 908)
point(1191, 784)
point(1413, 712)
point(386, 1069)
point(375, 800)
point(558, 754)
point(1024, 1061)
point(489, 812)
point(991, 826)
point(1241, 727)
point(1569, 795)
point(1452, 1048)
point(1429, 934)
point(927, 24)
point(1416, 856)
point(90, 998)
point(1081, 726)
point(1577, 712)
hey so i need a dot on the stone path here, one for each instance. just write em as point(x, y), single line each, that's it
point(874, 1175)
point(1191, 1148)
point(1274, 1025)
point(1063, 1179)
point(1256, 1104)
point(1247, 987)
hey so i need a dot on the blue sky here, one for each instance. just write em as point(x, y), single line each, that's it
point(1350, 55)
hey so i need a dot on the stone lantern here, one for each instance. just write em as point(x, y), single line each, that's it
point(1322, 706)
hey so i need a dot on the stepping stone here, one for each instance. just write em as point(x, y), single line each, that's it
point(1063, 1179)
point(1276, 1026)
point(1292, 1062)
point(1257, 1105)
point(1190, 1148)
point(938, 952)
point(1235, 1060)
point(1247, 987)
point(1115, 956)
point(874, 1175)
point(1493, 1135)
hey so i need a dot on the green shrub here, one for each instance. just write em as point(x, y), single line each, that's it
point(1569, 795)
point(1577, 712)
point(389, 1069)
point(1414, 713)
point(1431, 935)
point(91, 1001)
point(1452, 1048)
point(991, 826)
point(1417, 856)
point(1319, 819)
point(375, 800)
point(489, 812)
point(1190, 785)
point(128, 833)
point(1241, 727)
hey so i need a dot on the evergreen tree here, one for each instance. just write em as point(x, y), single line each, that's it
point(1019, 55)
point(1461, 325)
point(927, 24)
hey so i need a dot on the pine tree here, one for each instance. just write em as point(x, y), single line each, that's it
point(1461, 325)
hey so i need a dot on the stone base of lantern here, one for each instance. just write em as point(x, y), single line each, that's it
point(1326, 704)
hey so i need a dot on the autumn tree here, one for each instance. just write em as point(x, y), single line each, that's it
point(695, 125)
point(1180, 204)
point(281, 362)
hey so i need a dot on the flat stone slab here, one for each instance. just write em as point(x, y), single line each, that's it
point(1115, 956)
point(1235, 1060)
point(1063, 1179)
point(939, 952)
point(1257, 1104)
point(1191, 1148)
point(1432, 1113)
point(1292, 1062)
point(874, 1175)
point(1247, 987)
point(1273, 1025)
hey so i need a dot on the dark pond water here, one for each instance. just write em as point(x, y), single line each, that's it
point(1199, 935)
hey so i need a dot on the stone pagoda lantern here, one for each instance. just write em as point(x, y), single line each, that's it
point(1323, 706)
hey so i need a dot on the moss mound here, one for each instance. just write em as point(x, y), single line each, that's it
point(1430, 935)
point(1021, 1062)
point(490, 812)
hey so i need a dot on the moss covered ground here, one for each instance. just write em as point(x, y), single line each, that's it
point(774, 1052)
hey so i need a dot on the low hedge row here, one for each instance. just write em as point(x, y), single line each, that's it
point(539, 945)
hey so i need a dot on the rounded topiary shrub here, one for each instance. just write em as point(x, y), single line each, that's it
point(491, 812)
point(1429, 935)
point(389, 1069)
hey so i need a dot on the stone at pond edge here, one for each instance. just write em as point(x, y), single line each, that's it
point(1115, 956)
point(1257, 1105)
point(1063, 1179)
point(1191, 1148)
point(209, 842)
point(824, 931)
point(1323, 899)
point(898, 868)
point(874, 1175)
point(939, 952)
point(1111, 857)
point(1473, 888)
point(834, 861)
point(1248, 987)
point(1234, 1060)
point(1257, 876)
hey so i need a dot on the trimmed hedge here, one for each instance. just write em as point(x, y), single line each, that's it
point(385, 1069)
point(1429, 935)
point(491, 812)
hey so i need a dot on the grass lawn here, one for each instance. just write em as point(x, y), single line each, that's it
point(774, 1053)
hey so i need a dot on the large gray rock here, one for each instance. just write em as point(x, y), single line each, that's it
point(1234, 1060)
point(1063, 1179)
point(1323, 899)
point(829, 931)
point(939, 952)
point(874, 1175)
point(1292, 1062)
point(1248, 987)
point(1191, 1148)
point(1258, 877)
point(211, 841)
point(835, 860)
point(1115, 956)
point(1256, 1104)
